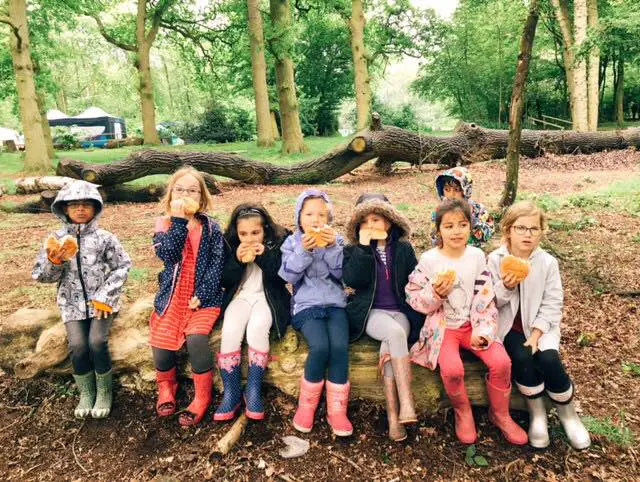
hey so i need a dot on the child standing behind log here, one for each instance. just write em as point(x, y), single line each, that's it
point(456, 183)
point(90, 268)
point(452, 286)
point(529, 298)
point(255, 300)
point(377, 265)
point(187, 304)
point(312, 263)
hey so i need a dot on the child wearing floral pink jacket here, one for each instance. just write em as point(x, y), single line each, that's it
point(452, 286)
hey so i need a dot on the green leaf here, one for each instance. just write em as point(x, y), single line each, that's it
point(471, 450)
point(480, 461)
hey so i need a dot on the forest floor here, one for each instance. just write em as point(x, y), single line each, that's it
point(594, 206)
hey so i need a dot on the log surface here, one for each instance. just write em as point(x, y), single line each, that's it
point(34, 342)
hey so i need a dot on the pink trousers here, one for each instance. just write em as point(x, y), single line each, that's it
point(452, 369)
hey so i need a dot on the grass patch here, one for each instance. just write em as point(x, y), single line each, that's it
point(636, 238)
point(139, 275)
point(618, 434)
point(631, 368)
point(580, 225)
point(545, 201)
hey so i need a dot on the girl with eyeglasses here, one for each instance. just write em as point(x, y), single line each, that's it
point(256, 302)
point(189, 243)
point(529, 313)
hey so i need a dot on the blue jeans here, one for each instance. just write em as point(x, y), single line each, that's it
point(326, 330)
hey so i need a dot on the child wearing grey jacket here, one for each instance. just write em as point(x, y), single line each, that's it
point(90, 268)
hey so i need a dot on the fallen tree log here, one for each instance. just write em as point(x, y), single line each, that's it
point(32, 185)
point(470, 143)
point(111, 194)
point(34, 341)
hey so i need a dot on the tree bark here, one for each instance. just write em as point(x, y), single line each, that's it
point(34, 342)
point(361, 71)
point(391, 144)
point(46, 128)
point(36, 157)
point(593, 79)
point(619, 92)
point(274, 127)
point(580, 66)
point(577, 100)
point(259, 75)
point(292, 140)
point(144, 42)
point(517, 106)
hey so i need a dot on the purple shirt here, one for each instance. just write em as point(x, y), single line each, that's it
point(384, 298)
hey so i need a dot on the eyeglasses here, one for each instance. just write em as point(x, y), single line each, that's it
point(534, 231)
point(182, 190)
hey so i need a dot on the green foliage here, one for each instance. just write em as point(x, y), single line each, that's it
point(65, 139)
point(546, 201)
point(619, 434)
point(474, 460)
point(219, 124)
point(580, 225)
point(403, 116)
point(631, 368)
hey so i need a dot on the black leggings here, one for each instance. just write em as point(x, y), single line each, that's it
point(88, 342)
point(533, 370)
point(199, 355)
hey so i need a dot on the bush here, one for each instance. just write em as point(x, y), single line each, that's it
point(65, 139)
point(219, 124)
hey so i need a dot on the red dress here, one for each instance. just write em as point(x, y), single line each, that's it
point(169, 331)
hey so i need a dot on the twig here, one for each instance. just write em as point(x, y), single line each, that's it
point(73, 448)
point(34, 467)
point(226, 443)
point(349, 461)
point(11, 424)
point(287, 478)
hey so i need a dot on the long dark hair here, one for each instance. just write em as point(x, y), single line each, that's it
point(273, 232)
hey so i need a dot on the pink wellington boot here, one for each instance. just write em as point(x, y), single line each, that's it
point(337, 400)
point(307, 403)
point(499, 414)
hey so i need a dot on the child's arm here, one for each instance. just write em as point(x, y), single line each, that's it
point(295, 260)
point(119, 263)
point(420, 293)
point(484, 314)
point(334, 255)
point(503, 294)
point(550, 311)
point(168, 241)
point(482, 228)
point(45, 270)
point(357, 266)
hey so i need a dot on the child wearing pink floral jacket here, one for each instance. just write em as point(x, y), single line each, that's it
point(452, 286)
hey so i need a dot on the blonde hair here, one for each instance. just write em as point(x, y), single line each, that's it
point(206, 201)
point(517, 210)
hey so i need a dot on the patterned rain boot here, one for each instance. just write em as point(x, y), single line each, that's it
point(258, 361)
point(229, 364)
point(87, 386)
point(104, 397)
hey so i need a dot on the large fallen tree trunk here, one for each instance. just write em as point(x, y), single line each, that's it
point(34, 341)
point(388, 144)
point(111, 194)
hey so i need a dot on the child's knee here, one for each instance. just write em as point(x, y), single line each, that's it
point(500, 367)
point(319, 348)
point(79, 348)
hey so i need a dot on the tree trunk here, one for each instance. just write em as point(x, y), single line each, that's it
point(361, 70)
point(145, 88)
point(619, 93)
point(292, 140)
point(36, 157)
point(562, 14)
point(34, 341)
point(46, 128)
point(259, 75)
point(517, 106)
point(580, 66)
point(593, 79)
point(469, 144)
point(274, 127)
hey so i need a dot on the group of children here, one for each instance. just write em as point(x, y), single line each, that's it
point(422, 311)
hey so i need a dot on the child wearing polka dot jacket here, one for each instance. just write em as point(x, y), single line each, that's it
point(187, 304)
